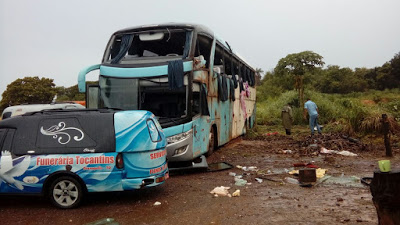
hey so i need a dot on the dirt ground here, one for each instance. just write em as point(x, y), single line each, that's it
point(185, 197)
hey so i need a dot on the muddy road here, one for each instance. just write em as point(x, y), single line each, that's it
point(185, 198)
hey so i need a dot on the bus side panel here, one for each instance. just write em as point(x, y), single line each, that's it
point(225, 125)
point(201, 130)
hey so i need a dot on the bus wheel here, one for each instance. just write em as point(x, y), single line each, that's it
point(66, 192)
point(211, 142)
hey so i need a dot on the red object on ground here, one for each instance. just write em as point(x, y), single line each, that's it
point(312, 166)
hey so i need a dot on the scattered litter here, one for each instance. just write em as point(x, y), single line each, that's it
point(287, 151)
point(344, 153)
point(294, 172)
point(291, 180)
point(313, 145)
point(269, 171)
point(232, 174)
point(273, 133)
point(157, 203)
point(238, 177)
point(240, 182)
point(320, 173)
point(250, 168)
point(220, 191)
point(351, 181)
point(212, 167)
point(259, 180)
point(236, 193)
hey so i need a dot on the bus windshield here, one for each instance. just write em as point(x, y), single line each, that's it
point(156, 45)
point(155, 96)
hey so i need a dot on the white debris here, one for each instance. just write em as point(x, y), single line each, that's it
point(236, 193)
point(287, 151)
point(157, 203)
point(220, 191)
point(259, 180)
point(232, 174)
point(344, 153)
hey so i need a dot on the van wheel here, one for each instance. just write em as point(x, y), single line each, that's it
point(66, 192)
point(211, 142)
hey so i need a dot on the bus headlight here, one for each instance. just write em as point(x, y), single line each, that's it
point(179, 137)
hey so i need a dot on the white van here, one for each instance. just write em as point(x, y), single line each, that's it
point(22, 109)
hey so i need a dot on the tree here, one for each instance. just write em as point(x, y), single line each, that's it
point(70, 94)
point(259, 71)
point(298, 64)
point(28, 90)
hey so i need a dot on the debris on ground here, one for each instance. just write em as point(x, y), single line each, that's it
point(236, 193)
point(344, 153)
point(259, 180)
point(240, 182)
point(220, 191)
point(247, 168)
point(157, 203)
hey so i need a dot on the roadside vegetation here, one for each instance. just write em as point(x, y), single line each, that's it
point(349, 101)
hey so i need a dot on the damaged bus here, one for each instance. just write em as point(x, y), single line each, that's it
point(201, 91)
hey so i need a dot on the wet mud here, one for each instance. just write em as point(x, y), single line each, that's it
point(185, 197)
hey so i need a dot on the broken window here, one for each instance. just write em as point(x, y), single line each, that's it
point(203, 47)
point(219, 58)
point(165, 43)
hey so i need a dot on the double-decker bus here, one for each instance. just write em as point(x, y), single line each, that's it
point(201, 91)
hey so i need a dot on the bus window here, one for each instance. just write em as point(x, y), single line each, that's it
point(163, 43)
point(219, 58)
point(196, 99)
point(203, 47)
point(228, 63)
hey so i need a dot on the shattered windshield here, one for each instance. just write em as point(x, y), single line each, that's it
point(155, 96)
point(163, 44)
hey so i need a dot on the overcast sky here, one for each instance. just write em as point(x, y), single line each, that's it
point(56, 39)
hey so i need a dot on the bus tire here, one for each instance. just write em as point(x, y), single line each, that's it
point(211, 142)
point(65, 192)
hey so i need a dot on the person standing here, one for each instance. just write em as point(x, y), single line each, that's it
point(287, 118)
point(312, 110)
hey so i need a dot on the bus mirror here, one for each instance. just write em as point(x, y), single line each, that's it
point(92, 96)
point(151, 36)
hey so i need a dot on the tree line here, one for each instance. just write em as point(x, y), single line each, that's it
point(304, 70)
point(35, 90)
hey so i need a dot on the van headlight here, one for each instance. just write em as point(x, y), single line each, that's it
point(179, 137)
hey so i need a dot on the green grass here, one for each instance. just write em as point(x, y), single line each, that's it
point(356, 113)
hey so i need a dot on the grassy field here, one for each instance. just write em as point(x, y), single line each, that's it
point(357, 114)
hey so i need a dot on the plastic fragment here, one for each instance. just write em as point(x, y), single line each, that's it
point(236, 193)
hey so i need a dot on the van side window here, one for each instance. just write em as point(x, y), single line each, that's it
point(6, 115)
point(3, 133)
point(6, 138)
point(62, 136)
